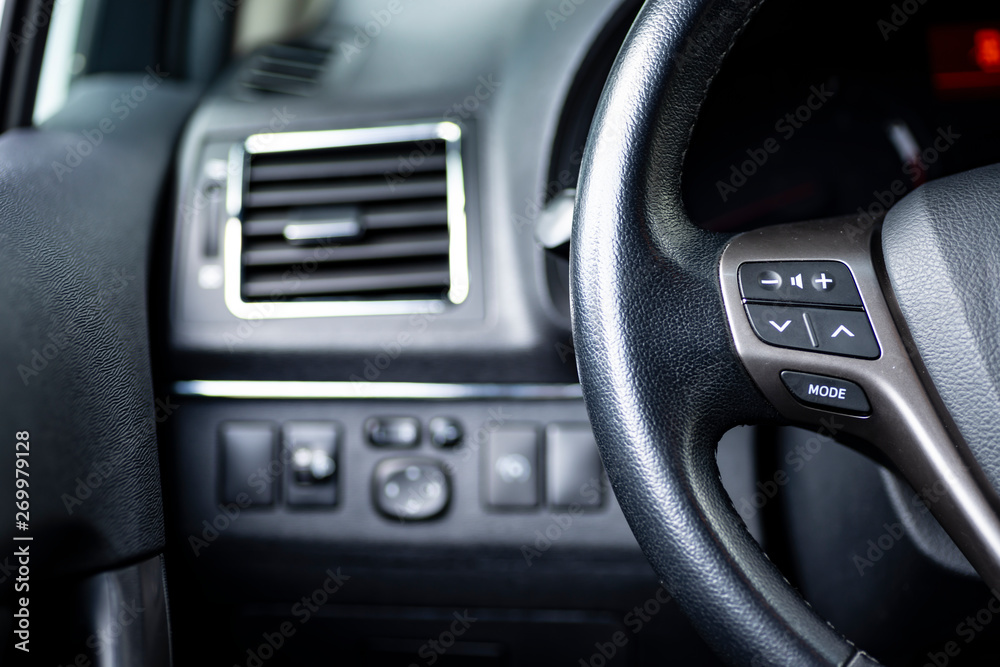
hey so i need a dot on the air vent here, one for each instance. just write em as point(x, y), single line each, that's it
point(285, 69)
point(347, 222)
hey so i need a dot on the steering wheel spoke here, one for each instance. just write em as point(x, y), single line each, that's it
point(813, 326)
point(681, 333)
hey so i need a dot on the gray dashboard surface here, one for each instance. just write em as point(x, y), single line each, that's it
point(529, 53)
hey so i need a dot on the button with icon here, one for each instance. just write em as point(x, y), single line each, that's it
point(825, 283)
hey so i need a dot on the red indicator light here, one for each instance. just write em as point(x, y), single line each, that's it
point(987, 50)
point(965, 60)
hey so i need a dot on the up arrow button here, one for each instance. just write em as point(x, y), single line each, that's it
point(842, 329)
point(845, 332)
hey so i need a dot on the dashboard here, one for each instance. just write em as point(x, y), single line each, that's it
point(369, 350)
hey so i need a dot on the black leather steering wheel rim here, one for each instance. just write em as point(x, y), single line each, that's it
point(661, 379)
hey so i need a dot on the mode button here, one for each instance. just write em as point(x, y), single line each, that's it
point(826, 392)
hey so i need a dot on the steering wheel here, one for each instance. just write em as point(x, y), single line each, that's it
point(884, 330)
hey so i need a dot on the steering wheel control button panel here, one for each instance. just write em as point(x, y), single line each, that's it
point(311, 450)
point(248, 452)
point(511, 468)
point(572, 466)
point(822, 283)
point(393, 432)
point(825, 392)
point(829, 330)
point(411, 489)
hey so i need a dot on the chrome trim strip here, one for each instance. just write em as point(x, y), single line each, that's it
point(458, 251)
point(235, 183)
point(376, 390)
point(458, 242)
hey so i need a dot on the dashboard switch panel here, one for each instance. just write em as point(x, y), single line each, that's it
point(411, 489)
point(311, 449)
point(248, 458)
point(511, 468)
point(572, 466)
point(821, 283)
point(827, 392)
point(401, 432)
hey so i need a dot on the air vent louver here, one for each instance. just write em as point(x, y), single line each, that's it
point(285, 69)
point(352, 227)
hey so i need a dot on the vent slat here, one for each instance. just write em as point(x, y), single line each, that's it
point(280, 253)
point(349, 167)
point(305, 53)
point(285, 69)
point(417, 214)
point(394, 193)
point(279, 89)
point(296, 76)
point(345, 192)
point(407, 215)
point(345, 285)
point(278, 64)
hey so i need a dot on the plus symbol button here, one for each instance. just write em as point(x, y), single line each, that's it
point(822, 282)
